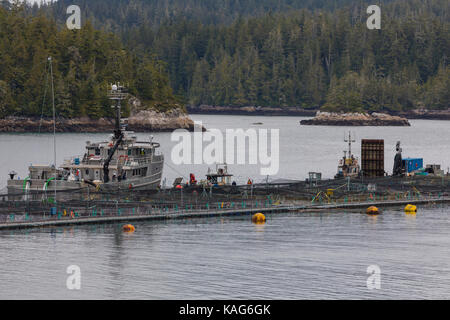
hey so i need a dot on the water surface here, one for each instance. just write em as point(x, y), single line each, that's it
point(292, 256)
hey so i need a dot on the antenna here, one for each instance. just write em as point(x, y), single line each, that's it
point(54, 122)
point(117, 93)
point(350, 140)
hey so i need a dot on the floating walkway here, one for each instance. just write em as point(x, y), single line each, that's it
point(128, 218)
point(54, 222)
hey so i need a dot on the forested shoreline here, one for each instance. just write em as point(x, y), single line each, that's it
point(85, 62)
point(267, 54)
point(308, 54)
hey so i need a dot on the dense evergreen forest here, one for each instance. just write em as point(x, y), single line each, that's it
point(308, 53)
point(84, 63)
point(120, 15)
point(290, 52)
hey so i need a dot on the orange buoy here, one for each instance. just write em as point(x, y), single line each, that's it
point(372, 210)
point(128, 228)
point(258, 218)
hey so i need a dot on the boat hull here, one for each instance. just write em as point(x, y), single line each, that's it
point(37, 187)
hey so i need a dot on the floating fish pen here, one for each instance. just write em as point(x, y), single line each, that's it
point(88, 203)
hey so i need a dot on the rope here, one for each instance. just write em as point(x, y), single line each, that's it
point(43, 101)
point(178, 172)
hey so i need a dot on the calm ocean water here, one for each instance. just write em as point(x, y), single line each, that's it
point(293, 256)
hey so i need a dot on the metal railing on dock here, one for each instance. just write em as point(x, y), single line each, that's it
point(87, 205)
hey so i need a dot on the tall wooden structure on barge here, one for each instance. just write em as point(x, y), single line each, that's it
point(372, 157)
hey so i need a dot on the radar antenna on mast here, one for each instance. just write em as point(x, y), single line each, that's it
point(117, 93)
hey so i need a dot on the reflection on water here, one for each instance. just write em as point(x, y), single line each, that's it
point(373, 218)
point(411, 216)
point(259, 226)
point(303, 255)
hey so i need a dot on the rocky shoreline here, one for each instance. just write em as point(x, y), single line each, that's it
point(142, 121)
point(426, 114)
point(301, 112)
point(355, 119)
point(251, 110)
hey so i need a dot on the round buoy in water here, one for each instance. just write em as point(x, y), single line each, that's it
point(259, 218)
point(128, 228)
point(372, 210)
point(410, 208)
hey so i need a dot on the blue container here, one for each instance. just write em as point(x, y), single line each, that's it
point(77, 161)
point(413, 164)
point(53, 211)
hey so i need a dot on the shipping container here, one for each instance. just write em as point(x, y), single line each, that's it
point(412, 164)
point(372, 157)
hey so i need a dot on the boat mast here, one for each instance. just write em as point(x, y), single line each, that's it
point(349, 144)
point(54, 122)
point(117, 94)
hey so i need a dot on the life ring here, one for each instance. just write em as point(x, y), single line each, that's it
point(130, 186)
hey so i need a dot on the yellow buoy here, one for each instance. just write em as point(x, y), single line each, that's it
point(372, 210)
point(410, 208)
point(259, 218)
point(128, 228)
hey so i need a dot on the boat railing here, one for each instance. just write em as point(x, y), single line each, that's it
point(138, 161)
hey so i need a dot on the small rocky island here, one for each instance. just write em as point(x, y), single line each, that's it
point(355, 119)
point(141, 119)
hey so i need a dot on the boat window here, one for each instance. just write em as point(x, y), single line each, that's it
point(87, 171)
point(129, 152)
point(97, 151)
